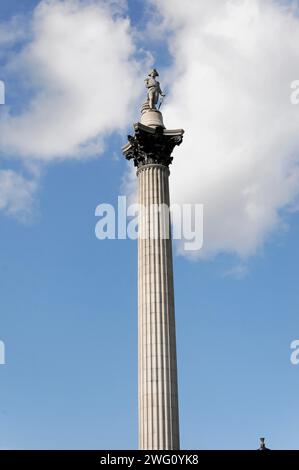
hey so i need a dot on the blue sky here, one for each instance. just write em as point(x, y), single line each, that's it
point(68, 313)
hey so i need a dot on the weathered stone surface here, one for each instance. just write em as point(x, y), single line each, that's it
point(157, 362)
point(151, 150)
point(152, 145)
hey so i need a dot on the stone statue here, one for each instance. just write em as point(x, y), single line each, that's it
point(153, 89)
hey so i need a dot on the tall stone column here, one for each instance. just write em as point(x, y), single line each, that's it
point(151, 149)
point(158, 388)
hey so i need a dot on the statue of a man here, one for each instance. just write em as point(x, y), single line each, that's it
point(153, 89)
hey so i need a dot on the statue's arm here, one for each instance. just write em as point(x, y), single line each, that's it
point(159, 90)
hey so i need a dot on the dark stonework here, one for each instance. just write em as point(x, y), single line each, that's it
point(152, 145)
point(262, 444)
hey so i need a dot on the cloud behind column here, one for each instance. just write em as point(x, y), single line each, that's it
point(233, 63)
point(71, 82)
point(82, 80)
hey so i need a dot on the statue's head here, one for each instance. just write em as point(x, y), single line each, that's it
point(153, 73)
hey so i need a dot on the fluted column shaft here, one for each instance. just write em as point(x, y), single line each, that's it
point(157, 362)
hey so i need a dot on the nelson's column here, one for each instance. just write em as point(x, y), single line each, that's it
point(150, 148)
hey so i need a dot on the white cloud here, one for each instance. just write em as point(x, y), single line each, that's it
point(82, 76)
point(238, 271)
point(229, 86)
point(16, 194)
point(74, 81)
point(230, 81)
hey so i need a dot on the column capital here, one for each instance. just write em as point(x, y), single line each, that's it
point(152, 145)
